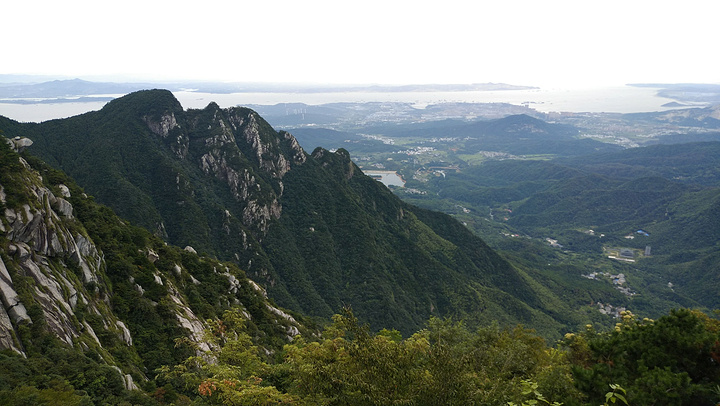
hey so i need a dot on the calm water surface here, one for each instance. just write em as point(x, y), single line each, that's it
point(621, 99)
point(386, 177)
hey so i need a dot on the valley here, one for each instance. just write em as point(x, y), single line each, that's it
point(553, 189)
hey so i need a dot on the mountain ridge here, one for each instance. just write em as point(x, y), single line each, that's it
point(77, 281)
point(220, 180)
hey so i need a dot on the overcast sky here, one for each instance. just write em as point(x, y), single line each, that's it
point(523, 42)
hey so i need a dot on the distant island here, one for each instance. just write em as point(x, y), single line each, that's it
point(25, 90)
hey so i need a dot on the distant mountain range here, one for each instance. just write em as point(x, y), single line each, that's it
point(17, 89)
point(66, 89)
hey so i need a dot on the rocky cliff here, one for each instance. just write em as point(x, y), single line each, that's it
point(48, 257)
point(210, 178)
point(105, 299)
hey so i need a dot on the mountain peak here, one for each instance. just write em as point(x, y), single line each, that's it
point(145, 102)
point(338, 162)
point(212, 106)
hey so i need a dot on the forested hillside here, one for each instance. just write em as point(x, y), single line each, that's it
point(93, 306)
point(99, 311)
point(311, 228)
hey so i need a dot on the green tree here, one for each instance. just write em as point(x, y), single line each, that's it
point(229, 373)
point(444, 364)
point(349, 366)
point(671, 361)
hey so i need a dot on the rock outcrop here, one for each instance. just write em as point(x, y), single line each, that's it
point(19, 143)
point(237, 150)
point(43, 242)
point(173, 171)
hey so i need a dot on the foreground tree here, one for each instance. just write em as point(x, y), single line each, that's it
point(228, 374)
point(672, 361)
point(442, 364)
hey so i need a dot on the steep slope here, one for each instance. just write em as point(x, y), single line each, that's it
point(166, 170)
point(49, 267)
point(78, 283)
point(347, 239)
point(311, 228)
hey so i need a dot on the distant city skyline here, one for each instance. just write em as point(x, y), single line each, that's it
point(556, 43)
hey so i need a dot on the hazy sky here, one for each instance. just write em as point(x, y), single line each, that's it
point(524, 42)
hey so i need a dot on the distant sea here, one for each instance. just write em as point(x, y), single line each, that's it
point(621, 99)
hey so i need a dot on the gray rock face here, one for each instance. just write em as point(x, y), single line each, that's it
point(12, 310)
point(237, 137)
point(40, 226)
point(290, 331)
point(260, 215)
point(83, 252)
point(163, 125)
point(124, 333)
point(64, 191)
point(152, 256)
point(188, 319)
point(12, 306)
point(19, 143)
point(6, 337)
point(64, 207)
point(62, 271)
point(266, 157)
point(127, 379)
point(40, 239)
point(242, 183)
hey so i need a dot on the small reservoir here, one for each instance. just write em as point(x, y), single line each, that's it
point(386, 177)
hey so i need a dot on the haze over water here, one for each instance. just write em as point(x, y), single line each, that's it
point(621, 99)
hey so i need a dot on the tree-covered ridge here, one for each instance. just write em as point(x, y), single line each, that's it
point(142, 156)
point(98, 325)
point(692, 162)
point(311, 228)
point(394, 263)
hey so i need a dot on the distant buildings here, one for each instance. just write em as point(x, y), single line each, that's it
point(553, 243)
point(617, 280)
point(610, 309)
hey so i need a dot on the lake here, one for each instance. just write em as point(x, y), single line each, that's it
point(386, 177)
